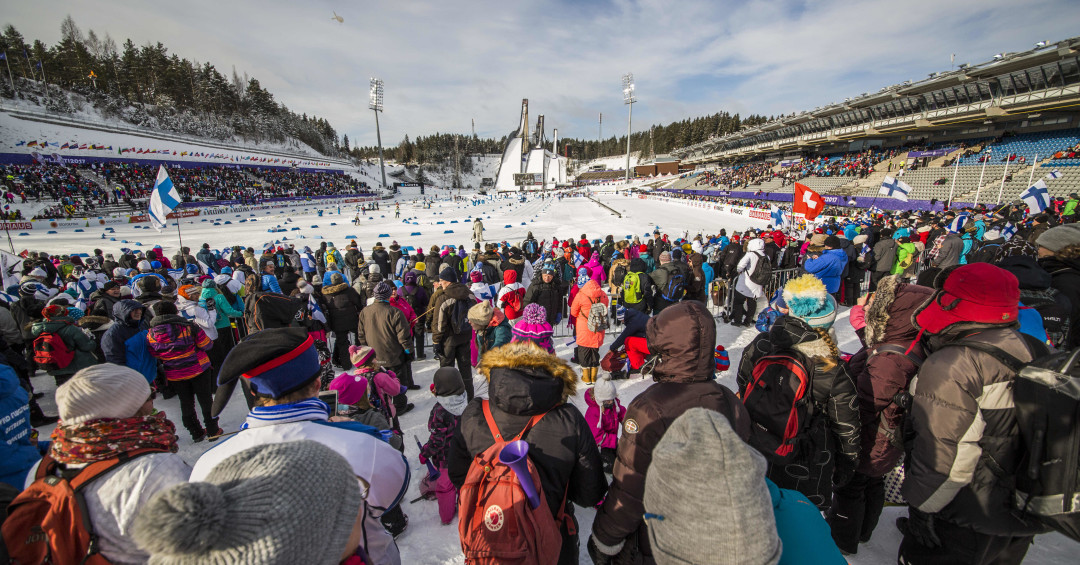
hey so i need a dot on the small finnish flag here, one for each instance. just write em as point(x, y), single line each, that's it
point(1037, 196)
point(1054, 174)
point(895, 188)
point(1008, 231)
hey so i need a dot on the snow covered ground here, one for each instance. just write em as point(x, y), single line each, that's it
point(427, 541)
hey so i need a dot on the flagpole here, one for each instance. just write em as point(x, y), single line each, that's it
point(1034, 164)
point(956, 170)
point(7, 63)
point(978, 189)
point(45, 80)
point(1003, 175)
point(179, 237)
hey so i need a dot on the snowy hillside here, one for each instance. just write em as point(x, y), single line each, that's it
point(611, 163)
point(483, 166)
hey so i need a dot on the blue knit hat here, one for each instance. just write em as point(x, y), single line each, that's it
point(275, 362)
point(807, 300)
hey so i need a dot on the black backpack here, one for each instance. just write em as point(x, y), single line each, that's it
point(779, 400)
point(675, 288)
point(619, 275)
point(490, 273)
point(762, 272)
point(1046, 396)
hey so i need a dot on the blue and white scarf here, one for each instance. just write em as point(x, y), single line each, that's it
point(303, 411)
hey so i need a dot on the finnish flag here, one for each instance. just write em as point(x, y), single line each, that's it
point(957, 225)
point(1054, 174)
point(1008, 231)
point(163, 200)
point(895, 188)
point(1037, 196)
point(777, 215)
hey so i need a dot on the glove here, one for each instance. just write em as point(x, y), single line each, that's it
point(920, 526)
point(438, 349)
point(409, 357)
point(602, 554)
point(558, 317)
point(423, 460)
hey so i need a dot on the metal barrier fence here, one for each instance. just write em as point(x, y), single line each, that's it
point(779, 278)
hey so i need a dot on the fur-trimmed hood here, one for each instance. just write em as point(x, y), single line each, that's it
point(334, 289)
point(524, 379)
point(888, 319)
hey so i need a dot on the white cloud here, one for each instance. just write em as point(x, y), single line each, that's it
point(445, 63)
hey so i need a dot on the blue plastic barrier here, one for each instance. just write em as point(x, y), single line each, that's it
point(350, 237)
point(227, 222)
point(384, 235)
point(440, 222)
point(453, 221)
point(508, 226)
point(314, 227)
point(333, 223)
point(79, 230)
point(295, 229)
point(24, 233)
point(449, 231)
point(414, 233)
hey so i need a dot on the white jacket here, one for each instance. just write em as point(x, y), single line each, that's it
point(382, 470)
point(202, 317)
point(747, 264)
point(115, 498)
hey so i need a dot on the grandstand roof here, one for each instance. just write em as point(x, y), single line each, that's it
point(1043, 78)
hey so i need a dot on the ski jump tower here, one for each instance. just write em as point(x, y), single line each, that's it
point(525, 154)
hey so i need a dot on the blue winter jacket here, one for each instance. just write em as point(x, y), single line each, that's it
point(124, 343)
point(828, 267)
point(17, 454)
point(803, 531)
point(270, 283)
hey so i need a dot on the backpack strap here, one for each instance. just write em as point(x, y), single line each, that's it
point(916, 360)
point(495, 427)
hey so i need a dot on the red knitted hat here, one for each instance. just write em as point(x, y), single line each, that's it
point(979, 292)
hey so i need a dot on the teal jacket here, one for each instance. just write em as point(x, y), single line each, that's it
point(803, 531)
point(224, 309)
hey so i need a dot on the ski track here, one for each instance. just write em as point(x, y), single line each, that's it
point(427, 541)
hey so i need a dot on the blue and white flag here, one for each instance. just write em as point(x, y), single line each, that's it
point(163, 200)
point(957, 225)
point(1054, 174)
point(777, 216)
point(895, 188)
point(1037, 196)
point(1008, 231)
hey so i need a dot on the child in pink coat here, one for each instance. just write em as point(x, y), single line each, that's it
point(605, 415)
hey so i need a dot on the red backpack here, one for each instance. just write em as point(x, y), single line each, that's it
point(49, 523)
point(51, 353)
point(497, 524)
point(779, 400)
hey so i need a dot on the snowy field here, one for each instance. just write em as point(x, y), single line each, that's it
point(427, 541)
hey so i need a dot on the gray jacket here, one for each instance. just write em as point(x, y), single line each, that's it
point(885, 254)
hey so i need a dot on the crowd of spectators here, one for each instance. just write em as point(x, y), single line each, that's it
point(856, 164)
point(75, 190)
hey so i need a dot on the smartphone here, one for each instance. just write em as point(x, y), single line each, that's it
point(330, 397)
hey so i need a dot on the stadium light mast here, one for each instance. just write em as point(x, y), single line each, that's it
point(628, 99)
point(376, 103)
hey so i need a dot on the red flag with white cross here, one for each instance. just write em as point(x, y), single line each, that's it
point(807, 202)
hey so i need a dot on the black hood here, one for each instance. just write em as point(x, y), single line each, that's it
point(637, 266)
point(789, 331)
point(121, 311)
point(1027, 271)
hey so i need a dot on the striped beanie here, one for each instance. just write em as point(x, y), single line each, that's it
point(720, 356)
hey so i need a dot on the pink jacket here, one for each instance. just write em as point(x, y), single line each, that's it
point(604, 423)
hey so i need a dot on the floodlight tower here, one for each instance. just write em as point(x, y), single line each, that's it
point(376, 103)
point(628, 99)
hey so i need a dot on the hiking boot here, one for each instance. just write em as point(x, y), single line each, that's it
point(408, 408)
point(215, 433)
point(197, 437)
point(38, 418)
point(413, 387)
point(395, 521)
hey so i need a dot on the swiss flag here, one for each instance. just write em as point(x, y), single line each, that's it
point(807, 202)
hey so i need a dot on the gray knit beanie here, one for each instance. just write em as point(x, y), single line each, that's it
point(1057, 238)
point(282, 503)
point(701, 475)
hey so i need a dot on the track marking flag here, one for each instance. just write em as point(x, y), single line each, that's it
point(807, 202)
point(895, 188)
point(163, 200)
point(1037, 196)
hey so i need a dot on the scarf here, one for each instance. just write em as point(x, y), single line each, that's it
point(453, 404)
point(106, 438)
point(305, 410)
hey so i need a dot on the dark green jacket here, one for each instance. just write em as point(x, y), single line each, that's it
point(77, 340)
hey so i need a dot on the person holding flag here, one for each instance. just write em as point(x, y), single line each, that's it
point(1037, 197)
point(163, 200)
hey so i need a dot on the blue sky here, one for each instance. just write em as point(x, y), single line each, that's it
point(447, 62)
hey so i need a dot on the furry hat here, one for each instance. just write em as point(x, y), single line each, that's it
point(526, 358)
point(807, 299)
